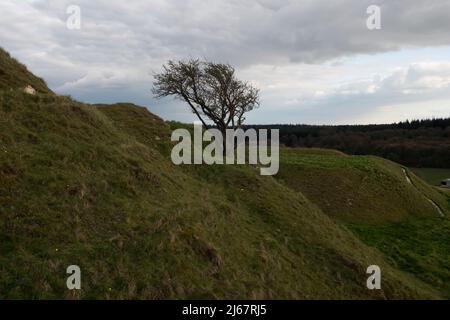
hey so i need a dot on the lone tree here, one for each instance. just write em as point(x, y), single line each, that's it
point(210, 89)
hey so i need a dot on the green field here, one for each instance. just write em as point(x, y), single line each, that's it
point(372, 198)
point(433, 176)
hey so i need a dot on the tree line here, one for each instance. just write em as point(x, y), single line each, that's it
point(416, 143)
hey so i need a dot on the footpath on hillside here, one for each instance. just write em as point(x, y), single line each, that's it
point(408, 179)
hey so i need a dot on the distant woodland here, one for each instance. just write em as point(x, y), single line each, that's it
point(417, 143)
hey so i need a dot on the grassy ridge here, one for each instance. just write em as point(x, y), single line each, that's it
point(362, 189)
point(374, 199)
point(14, 75)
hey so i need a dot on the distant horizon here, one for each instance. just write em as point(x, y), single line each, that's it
point(325, 125)
point(349, 124)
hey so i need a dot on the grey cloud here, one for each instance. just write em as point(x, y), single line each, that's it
point(242, 32)
point(121, 43)
point(418, 83)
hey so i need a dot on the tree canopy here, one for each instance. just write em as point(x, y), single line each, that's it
point(210, 89)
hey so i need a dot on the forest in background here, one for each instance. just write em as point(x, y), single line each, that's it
point(416, 143)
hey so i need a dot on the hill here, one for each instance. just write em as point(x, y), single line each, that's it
point(363, 189)
point(383, 203)
point(14, 75)
point(94, 186)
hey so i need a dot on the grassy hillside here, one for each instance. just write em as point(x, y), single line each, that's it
point(418, 246)
point(82, 185)
point(363, 189)
point(94, 186)
point(375, 200)
point(14, 75)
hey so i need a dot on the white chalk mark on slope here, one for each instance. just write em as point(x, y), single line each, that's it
point(435, 205)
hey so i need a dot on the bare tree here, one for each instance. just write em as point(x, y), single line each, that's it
point(210, 89)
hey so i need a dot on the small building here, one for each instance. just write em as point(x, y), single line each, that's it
point(446, 183)
point(30, 90)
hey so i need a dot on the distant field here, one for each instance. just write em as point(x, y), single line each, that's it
point(433, 176)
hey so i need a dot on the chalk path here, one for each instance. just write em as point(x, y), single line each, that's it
point(435, 205)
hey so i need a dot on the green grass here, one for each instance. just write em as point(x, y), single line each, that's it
point(294, 152)
point(433, 176)
point(372, 197)
point(93, 185)
point(14, 75)
point(362, 189)
point(418, 246)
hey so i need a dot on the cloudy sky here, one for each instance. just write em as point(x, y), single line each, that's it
point(314, 61)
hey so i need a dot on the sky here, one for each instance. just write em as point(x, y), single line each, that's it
point(314, 61)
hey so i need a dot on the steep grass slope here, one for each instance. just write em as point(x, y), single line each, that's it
point(14, 75)
point(417, 246)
